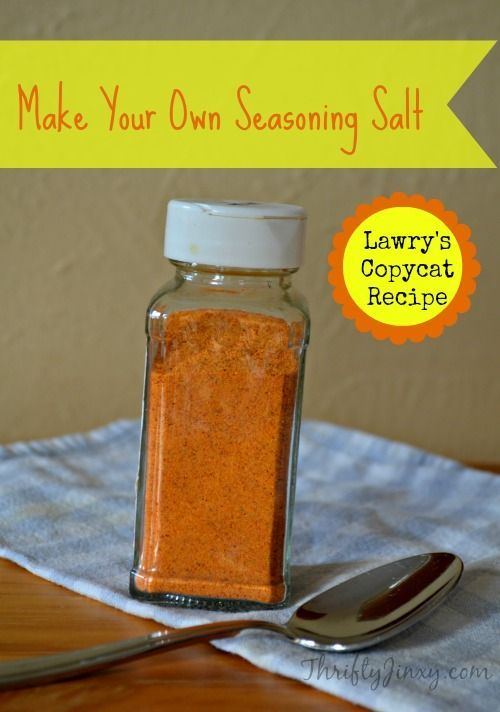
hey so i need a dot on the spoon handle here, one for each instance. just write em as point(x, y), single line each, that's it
point(49, 668)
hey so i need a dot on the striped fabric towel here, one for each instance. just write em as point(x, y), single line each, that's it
point(361, 501)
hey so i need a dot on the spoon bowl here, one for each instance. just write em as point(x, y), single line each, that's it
point(355, 614)
point(377, 604)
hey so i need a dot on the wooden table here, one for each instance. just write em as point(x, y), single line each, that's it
point(38, 618)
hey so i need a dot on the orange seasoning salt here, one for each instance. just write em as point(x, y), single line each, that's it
point(221, 418)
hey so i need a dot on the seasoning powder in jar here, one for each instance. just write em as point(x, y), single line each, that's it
point(221, 418)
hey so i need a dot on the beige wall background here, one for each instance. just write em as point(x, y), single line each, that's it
point(81, 250)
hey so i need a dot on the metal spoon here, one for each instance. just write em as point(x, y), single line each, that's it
point(355, 614)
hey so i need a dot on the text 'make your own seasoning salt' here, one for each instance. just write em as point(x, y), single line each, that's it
point(222, 401)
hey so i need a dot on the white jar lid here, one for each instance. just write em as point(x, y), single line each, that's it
point(235, 234)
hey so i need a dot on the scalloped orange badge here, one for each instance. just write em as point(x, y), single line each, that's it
point(403, 268)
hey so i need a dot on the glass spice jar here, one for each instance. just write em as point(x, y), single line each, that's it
point(226, 342)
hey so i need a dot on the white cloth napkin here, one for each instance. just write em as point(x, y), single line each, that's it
point(67, 514)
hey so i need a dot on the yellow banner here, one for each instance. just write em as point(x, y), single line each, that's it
point(236, 104)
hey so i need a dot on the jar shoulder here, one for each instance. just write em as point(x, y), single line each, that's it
point(287, 304)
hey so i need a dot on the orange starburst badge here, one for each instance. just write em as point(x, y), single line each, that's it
point(403, 268)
